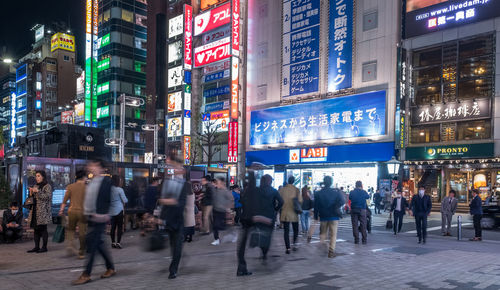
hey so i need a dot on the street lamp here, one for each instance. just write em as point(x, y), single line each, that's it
point(7, 60)
point(393, 166)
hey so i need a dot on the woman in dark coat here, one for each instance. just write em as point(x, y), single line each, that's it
point(40, 213)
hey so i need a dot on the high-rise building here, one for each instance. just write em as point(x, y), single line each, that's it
point(116, 66)
point(7, 88)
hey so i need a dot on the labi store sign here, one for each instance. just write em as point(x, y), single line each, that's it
point(306, 155)
point(450, 152)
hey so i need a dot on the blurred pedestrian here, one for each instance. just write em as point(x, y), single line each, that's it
point(421, 206)
point(476, 210)
point(189, 217)
point(358, 199)
point(307, 206)
point(377, 200)
point(12, 223)
point(96, 207)
point(222, 201)
point(327, 208)
point(206, 203)
point(448, 208)
point(237, 203)
point(289, 214)
point(41, 211)
point(173, 200)
point(118, 201)
point(75, 193)
point(151, 196)
point(398, 207)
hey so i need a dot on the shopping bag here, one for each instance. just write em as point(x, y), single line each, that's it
point(388, 224)
point(156, 241)
point(260, 237)
point(59, 234)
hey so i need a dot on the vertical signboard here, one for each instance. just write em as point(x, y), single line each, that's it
point(232, 152)
point(340, 45)
point(88, 63)
point(95, 21)
point(12, 119)
point(235, 28)
point(188, 36)
point(187, 150)
point(234, 88)
point(300, 51)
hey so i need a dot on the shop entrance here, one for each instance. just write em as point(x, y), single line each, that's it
point(343, 176)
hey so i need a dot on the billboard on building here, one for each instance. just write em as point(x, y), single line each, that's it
point(425, 16)
point(216, 121)
point(176, 26)
point(174, 127)
point(174, 102)
point(359, 115)
point(212, 52)
point(212, 19)
point(188, 37)
point(67, 117)
point(175, 77)
point(39, 33)
point(62, 41)
point(340, 45)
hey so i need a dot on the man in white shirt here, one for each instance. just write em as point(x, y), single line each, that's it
point(399, 207)
point(448, 208)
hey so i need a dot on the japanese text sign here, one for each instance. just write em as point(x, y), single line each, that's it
point(465, 110)
point(188, 36)
point(232, 153)
point(359, 115)
point(340, 45)
point(212, 19)
point(212, 52)
point(187, 150)
point(235, 27)
point(235, 88)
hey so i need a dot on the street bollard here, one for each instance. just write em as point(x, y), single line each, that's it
point(459, 228)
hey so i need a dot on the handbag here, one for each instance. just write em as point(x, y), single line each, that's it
point(156, 241)
point(259, 238)
point(59, 234)
point(28, 203)
point(297, 207)
point(388, 224)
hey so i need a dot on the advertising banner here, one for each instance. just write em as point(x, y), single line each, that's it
point(215, 76)
point(175, 77)
point(216, 92)
point(216, 106)
point(212, 52)
point(212, 19)
point(62, 41)
point(340, 45)
point(300, 51)
point(216, 121)
point(175, 51)
point(425, 16)
point(204, 4)
point(235, 88)
point(176, 26)
point(218, 66)
point(233, 143)
point(175, 102)
point(188, 37)
point(450, 151)
point(359, 115)
point(67, 117)
point(235, 27)
point(465, 110)
point(219, 33)
point(187, 150)
point(174, 127)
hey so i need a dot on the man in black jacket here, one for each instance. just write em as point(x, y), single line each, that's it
point(421, 206)
point(96, 208)
point(206, 203)
point(12, 223)
point(173, 199)
point(399, 207)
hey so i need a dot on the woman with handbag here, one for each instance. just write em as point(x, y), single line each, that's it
point(40, 213)
point(292, 200)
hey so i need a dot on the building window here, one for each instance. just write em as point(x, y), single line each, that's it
point(141, 20)
point(369, 71)
point(474, 130)
point(66, 58)
point(140, 43)
point(106, 15)
point(127, 16)
point(370, 20)
point(425, 134)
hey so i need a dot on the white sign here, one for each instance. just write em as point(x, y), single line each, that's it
point(175, 102)
point(175, 51)
point(175, 77)
point(148, 157)
point(39, 33)
point(176, 26)
point(187, 126)
point(174, 127)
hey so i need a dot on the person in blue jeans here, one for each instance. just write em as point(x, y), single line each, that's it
point(237, 204)
point(307, 205)
point(358, 199)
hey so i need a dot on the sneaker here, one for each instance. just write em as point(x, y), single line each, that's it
point(118, 246)
point(34, 250)
point(42, 250)
point(84, 278)
point(287, 251)
point(108, 273)
point(113, 245)
point(309, 238)
point(172, 275)
point(243, 273)
point(331, 254)
point(216, 242)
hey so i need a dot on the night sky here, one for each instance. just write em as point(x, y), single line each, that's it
point(19, 16)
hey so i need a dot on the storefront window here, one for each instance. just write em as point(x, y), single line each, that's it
point(474, 130)
point(425, 134)
point(458, 182)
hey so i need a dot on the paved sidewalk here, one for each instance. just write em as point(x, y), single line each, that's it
point(387, 262)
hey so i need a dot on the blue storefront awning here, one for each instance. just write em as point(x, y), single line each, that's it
point(372, 152)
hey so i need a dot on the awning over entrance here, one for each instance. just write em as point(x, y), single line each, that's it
point(371, 152)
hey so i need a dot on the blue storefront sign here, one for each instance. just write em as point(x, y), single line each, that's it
point(215, 76)
point(359, 115)
point(300, 55)
point(340, 45)
point(219, 106)
point(216, 92)
point(372, 152)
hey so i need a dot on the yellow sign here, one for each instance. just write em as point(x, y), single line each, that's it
point(62, 41)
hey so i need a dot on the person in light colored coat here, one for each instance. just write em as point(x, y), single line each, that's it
point(288, 214)
point(448, 208)
point(189, 218)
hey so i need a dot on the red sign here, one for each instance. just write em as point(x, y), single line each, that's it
point(188, 36)
point(235, 27)
point(212, 19)
point(232, 153)
point(234, 88)
point(314, 152)
point(212, 52)
point(38, 95)
point(217, 67)
point(187, 150)
point(95, 18)
point(67, 117)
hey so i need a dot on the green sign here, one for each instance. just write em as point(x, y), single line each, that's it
point(103, 64)
point(103, 112)
point(484, 150)
point(106, 39)
point(102, 88)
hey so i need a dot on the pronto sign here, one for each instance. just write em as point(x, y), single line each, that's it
point(212, 19)
point(450, 152)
